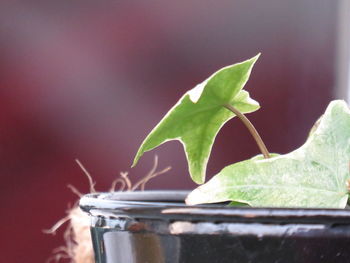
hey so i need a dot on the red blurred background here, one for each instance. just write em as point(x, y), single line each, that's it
point(89, 79)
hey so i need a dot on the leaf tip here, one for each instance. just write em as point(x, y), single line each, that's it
point(191, 199)
point(197, 172)
point(200, 195)
point(137, 158)
point(198, 180)
point(134, 163)
point(256, 57)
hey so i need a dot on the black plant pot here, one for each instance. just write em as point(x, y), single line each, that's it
point(157, 227)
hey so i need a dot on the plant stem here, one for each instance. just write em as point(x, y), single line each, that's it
point(251, 129)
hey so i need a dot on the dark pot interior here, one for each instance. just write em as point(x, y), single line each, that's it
point(156, 226)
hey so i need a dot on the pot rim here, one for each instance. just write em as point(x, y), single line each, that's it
point(170, 205)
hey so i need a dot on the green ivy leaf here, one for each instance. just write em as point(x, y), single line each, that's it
point(315, 175)
point(198, 116)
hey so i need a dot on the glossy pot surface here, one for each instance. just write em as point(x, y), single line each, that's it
point(157, 227)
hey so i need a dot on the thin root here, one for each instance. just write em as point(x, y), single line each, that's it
point(56, 226)
point(75, 190)
point(146, 179)
point(151, 174)
point(114, 184)
point(91, 182)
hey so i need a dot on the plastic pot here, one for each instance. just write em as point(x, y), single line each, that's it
point(157, 227)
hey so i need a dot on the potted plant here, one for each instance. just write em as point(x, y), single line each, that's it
point(270, 208)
